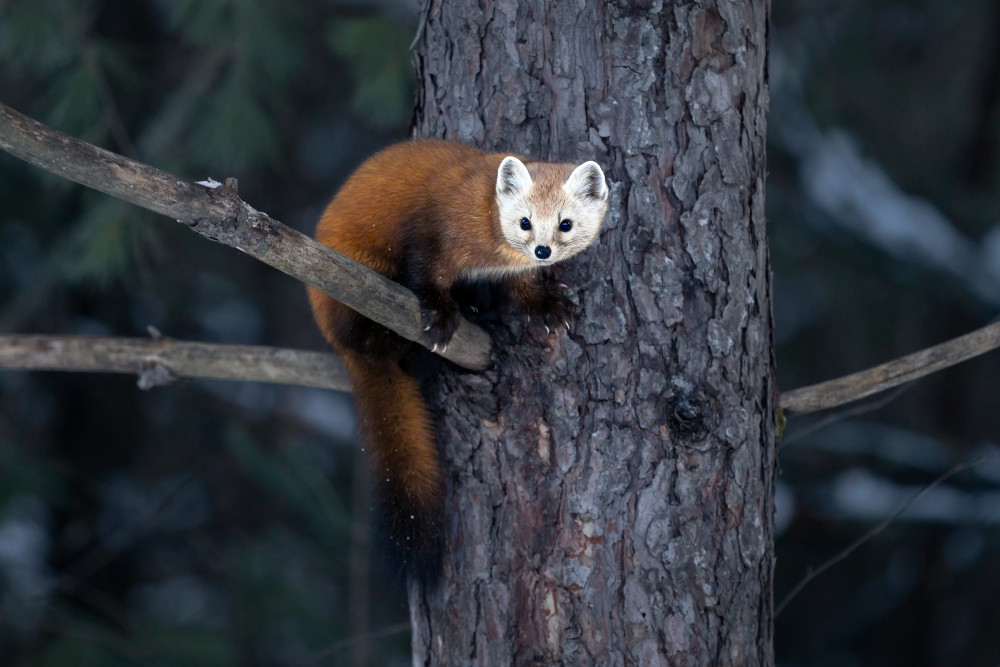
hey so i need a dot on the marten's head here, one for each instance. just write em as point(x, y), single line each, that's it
point(550, 212)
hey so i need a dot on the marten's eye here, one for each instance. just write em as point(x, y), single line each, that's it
point(525, 224)
point(565, 225)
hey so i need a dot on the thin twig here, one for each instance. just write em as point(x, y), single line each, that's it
point(344, 644)
point(849, 388)
point(89, 563)
point(812, 574)
point(847, 413)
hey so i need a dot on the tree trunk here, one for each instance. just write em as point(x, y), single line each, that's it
point(611, 488)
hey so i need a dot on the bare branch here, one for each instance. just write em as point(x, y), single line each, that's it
point(847, 413)
point(220, 215)
point(849, 388)
point(164, 360)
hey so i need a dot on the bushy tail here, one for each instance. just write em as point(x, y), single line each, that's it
point(398, 437)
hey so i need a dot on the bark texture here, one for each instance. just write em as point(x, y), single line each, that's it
point(610, 491)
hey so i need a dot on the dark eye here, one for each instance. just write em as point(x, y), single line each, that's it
point(525, 224)
point(565, 225)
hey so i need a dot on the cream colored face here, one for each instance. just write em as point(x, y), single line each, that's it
point(546, 218)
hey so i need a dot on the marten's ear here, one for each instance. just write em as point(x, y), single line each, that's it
point(587, 182)
point(513, 179)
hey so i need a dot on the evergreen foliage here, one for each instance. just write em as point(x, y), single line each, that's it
point(156, 527)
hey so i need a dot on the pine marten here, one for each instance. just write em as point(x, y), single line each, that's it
point(426, 214)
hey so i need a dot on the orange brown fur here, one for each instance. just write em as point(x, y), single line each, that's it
point(424, 183)
point(424, 214)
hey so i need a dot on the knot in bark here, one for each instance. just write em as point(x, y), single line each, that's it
point(692, 413)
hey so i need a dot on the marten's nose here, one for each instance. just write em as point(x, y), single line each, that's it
point(542, 252)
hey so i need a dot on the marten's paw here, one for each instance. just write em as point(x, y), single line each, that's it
point(555, 308)
point(440, 320)
point(541, 297)
point(548, 303)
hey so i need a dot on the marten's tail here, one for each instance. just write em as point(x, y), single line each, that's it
point(398, 437)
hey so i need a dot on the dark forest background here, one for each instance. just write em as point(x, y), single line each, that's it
point(212, 523)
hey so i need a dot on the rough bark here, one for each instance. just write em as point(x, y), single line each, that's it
point(611, 487)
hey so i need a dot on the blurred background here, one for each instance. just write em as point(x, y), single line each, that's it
point(212, 523)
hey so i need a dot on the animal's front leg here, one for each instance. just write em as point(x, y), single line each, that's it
point(438, 313)
point(539, 295)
